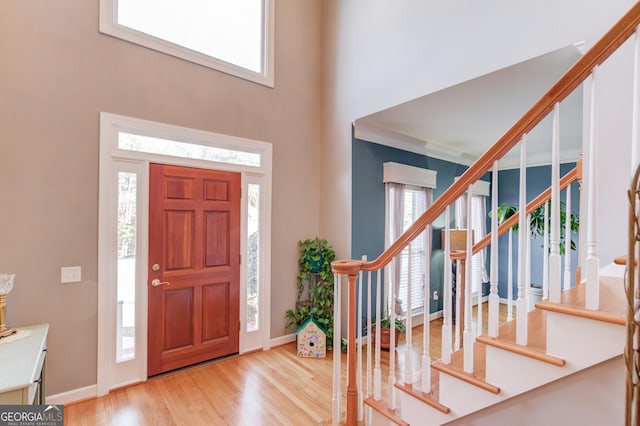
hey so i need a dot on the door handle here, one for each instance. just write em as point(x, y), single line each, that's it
point(158, 283)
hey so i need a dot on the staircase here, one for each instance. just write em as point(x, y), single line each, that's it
point(557, 349)
point(560, 363)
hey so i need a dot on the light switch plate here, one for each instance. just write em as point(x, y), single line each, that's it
point(70, 274)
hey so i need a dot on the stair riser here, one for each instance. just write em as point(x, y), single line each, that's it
point(380, 420)
point(415, 412)
point(474, 398)
point(517, 373)
point(566, 339)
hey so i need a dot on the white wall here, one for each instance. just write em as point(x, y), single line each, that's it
point(614, 101)
point(380, 53)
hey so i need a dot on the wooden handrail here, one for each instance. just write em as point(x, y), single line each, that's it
point(578, 73)
point(545, 196)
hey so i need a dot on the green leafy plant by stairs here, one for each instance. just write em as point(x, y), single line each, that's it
point(315, 286)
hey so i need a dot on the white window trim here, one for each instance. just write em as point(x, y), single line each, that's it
point(114, 160)
point(109, 26)
point(480, 187)
point(408, 175)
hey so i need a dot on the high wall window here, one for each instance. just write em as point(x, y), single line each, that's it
point(233, 36)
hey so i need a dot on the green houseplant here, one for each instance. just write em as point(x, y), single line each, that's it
point(385, 330)
point(505, 211)
point(314, 284)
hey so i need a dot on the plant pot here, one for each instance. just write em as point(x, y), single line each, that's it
point(385, 337)
point(315, 266)
point(535, 295)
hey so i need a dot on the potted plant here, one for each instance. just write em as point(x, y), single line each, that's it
point(385, 331)
point(314, 286)
point(538, 230)
point(505, 211)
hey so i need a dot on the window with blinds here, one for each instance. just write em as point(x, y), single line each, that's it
point(414, 205)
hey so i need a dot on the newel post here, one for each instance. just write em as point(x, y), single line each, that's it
point(350, 268)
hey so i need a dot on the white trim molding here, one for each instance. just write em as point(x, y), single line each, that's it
point(409, 175)
point(73, 395)
point(113, 160)
point(480, 188)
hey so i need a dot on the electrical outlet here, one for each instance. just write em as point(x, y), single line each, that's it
point(70, 274)
point(435, 295)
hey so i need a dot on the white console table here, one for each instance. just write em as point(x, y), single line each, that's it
point(22, 364)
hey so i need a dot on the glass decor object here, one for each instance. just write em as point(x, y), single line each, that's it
point(6, 284)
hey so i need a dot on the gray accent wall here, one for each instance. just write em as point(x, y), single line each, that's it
point(538, 179)
point(368, 200)
point(367, 217)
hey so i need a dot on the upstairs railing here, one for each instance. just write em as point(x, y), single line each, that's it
point(585, 68)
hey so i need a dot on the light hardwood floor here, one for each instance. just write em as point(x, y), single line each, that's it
point(271, 387)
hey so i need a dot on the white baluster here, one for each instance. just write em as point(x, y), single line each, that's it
point(377, 372)
point(467, 336)
point(545, 250)
point(337, 393)
point(446, 292)
point(555, 264)
point(359, 347)
point(408, 352)
point(521, 303)
point(592, 263)
point(456, 345)
point(426, 337)
point(510, 277)
point(528, 282)
point(567, 241)
point(392, 338)
point(635, 121)
point(480, 314)
point(369, 351)
point(494, 299)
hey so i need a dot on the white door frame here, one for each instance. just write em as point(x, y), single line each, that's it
point(114, 160)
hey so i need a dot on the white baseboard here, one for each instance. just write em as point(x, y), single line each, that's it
point(73, 395)
point(283, 340)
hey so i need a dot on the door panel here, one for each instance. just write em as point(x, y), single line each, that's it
point(179, 239)
point(194, 239)
point(178, 304)
point(216, 234)
point(215, 310)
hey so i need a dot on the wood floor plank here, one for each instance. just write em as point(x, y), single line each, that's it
point(264, 387)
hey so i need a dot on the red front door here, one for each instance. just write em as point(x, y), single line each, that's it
point(194, 266)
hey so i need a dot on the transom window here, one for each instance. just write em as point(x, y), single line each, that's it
point(233, 36)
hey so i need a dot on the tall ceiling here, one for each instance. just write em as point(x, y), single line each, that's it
point(459, 123)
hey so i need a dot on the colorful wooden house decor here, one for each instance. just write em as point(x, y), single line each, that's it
point(311, 339)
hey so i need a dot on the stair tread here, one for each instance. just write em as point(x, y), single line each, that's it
point(456, 368)
point(613, 302)
point(431, 398)
point(383, 408)
point(536, 331)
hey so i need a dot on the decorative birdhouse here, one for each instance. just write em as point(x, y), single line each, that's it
point(311, 339)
